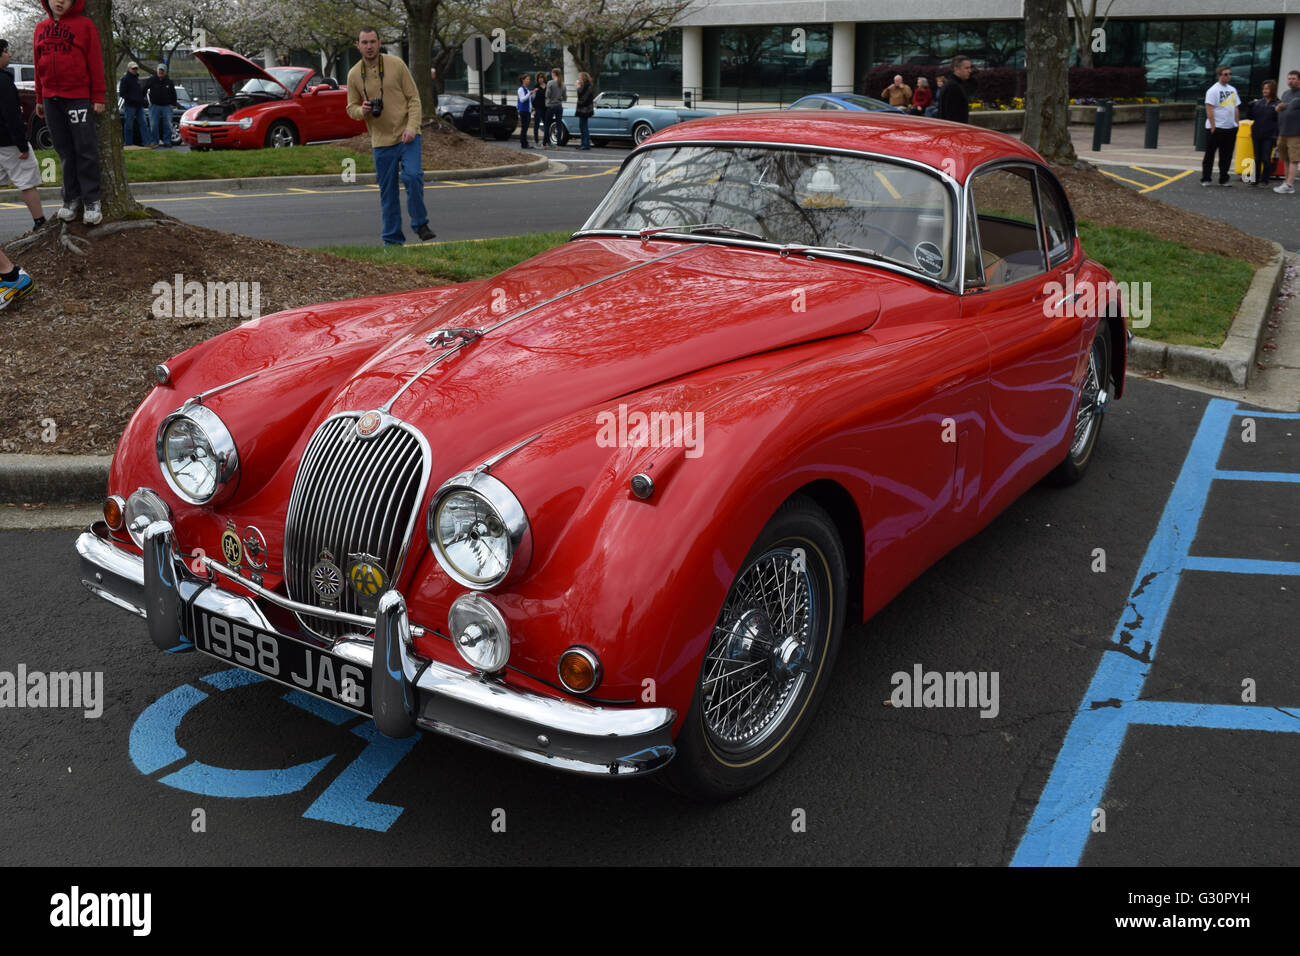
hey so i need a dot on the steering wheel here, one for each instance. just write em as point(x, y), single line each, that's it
point(896, 240)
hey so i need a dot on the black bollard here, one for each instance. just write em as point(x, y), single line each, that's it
point(1098, 129)
point(1153, 128)
point(1199, 131)
point(1108, 106)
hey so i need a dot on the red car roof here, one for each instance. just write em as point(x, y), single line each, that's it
point(954, 148)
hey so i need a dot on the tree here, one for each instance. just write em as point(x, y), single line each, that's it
point(421, 16)
point(115, 192)
point(1085, 19)
point(589, 29)
point(1047, 75)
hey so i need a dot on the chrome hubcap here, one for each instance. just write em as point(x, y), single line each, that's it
point(1092, 402)
point(756, 664)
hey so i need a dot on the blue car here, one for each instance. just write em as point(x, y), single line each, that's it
point(618, 116)
point(843, 101)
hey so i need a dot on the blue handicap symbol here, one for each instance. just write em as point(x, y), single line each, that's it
point(345, 801)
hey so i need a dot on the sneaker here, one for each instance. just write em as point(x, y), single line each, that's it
point(1225, 183)
point(1284, 189)
point(92, 215)
point(1207, 182)
point(68, 211)
point(424, 232)
point(11, 292)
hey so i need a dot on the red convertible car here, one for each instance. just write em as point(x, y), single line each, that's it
point(611, 510)
point(282, 106)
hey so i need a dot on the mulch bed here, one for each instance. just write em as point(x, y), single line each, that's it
point(444, 147)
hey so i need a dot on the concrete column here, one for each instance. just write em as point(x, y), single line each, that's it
point(692, 61)
point(842, 54)
point(268, 57)
point(570, 69)
point(1290, 49)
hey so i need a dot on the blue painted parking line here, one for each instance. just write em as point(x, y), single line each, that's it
point(1062, 821)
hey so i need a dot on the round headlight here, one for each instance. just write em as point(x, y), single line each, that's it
point(478, 531)
point(479, 632)
point(197, 455)
point(143, 508)
point(246, 123)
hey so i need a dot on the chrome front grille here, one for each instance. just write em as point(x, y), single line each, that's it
point(351, 496)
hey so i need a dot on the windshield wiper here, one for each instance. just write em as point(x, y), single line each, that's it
point(719, 228)
point(790, 247)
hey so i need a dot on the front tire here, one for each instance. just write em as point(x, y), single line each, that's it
point(769, 658)
point(1094, 396)
point(281, 135)
point(41, 135)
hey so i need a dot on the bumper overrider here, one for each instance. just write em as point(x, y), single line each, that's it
point(407, 692)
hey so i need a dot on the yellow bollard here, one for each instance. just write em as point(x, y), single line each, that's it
point(1243, 156)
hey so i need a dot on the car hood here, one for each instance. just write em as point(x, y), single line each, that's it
point(599, 318)
point(229, 68)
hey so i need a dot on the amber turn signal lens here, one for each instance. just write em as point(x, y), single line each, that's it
point(113, 516)
point(579, 670)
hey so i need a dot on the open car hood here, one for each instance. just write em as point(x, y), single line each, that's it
point(230, 69)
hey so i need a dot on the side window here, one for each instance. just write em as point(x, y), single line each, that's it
point(1055, 220)
point(314, 80)
point(1010, 242)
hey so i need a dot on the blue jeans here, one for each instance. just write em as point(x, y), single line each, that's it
point(387, 161)
point(160, 124)
point(586, 135)
point(130, 116)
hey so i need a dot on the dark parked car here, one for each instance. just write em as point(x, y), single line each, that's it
point(463, 112)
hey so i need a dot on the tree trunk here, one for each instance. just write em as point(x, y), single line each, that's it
point(1047, 74)
point(420, 18)
point(115, 194)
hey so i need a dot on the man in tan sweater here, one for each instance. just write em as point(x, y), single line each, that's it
point(382, 92)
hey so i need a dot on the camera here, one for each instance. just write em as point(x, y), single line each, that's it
point(377, 106)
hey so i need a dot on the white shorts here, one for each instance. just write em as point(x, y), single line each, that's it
point(23, 173)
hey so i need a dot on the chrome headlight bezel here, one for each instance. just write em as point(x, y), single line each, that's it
point(487, 648)
point(220, 442)
point(494, 494)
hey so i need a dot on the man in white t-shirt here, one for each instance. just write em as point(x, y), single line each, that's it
point(1221, 102)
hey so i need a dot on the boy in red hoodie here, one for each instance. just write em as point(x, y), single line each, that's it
point(69, 85)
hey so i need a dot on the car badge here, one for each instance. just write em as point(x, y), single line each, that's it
point(327, 580)
point(231, 549)
point(255, 547)
point(369, 424)
point(368, 579)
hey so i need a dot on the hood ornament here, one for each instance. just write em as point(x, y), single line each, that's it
point(444, 338)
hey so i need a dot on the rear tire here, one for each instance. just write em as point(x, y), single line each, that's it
point(769, 659)
point(640, 133)
point(1094, 396)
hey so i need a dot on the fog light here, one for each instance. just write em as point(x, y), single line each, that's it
point(142, 509)
point(579, 670)
point(479, 632)
point(113, 514)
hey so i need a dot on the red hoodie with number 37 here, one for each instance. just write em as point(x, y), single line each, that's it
point(69, 63)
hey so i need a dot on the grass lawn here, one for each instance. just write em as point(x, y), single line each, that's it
point(154, 165)
point(457, 261)
point(1193, 295)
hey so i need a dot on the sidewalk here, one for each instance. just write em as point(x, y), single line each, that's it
point(1125, 147)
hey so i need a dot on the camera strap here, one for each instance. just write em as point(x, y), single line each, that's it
point(364, 92)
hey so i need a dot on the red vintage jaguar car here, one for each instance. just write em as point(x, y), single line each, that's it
point(282, 106)
point(612, 510)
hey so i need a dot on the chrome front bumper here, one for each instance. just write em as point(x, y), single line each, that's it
point(407, 692)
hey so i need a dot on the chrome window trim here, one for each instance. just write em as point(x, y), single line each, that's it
point(989, 166)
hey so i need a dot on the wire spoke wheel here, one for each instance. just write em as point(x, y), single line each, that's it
point(755, 665)
point(1090, 403)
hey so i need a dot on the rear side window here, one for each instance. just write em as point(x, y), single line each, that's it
point(1010, 242)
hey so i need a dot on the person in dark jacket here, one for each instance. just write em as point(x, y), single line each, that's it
point(585, 108)
point(133, 106)
point(954, 103)
point(161, 92)
point(541, 136)
point(17, 157)
point(1263, 131)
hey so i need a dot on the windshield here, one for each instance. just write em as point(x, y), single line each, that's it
point(289, 78)
point(854, 204)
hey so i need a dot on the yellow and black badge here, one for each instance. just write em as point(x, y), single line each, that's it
point(231, 549)
point(367, 578)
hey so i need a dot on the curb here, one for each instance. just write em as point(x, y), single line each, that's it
point(1233, 362)
point(53, 478)
point(152, 190)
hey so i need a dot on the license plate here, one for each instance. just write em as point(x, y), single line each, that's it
point(283, 659)
point(494, 119)
point(205, 138)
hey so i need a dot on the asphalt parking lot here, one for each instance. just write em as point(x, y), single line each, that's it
point(1161, 691)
